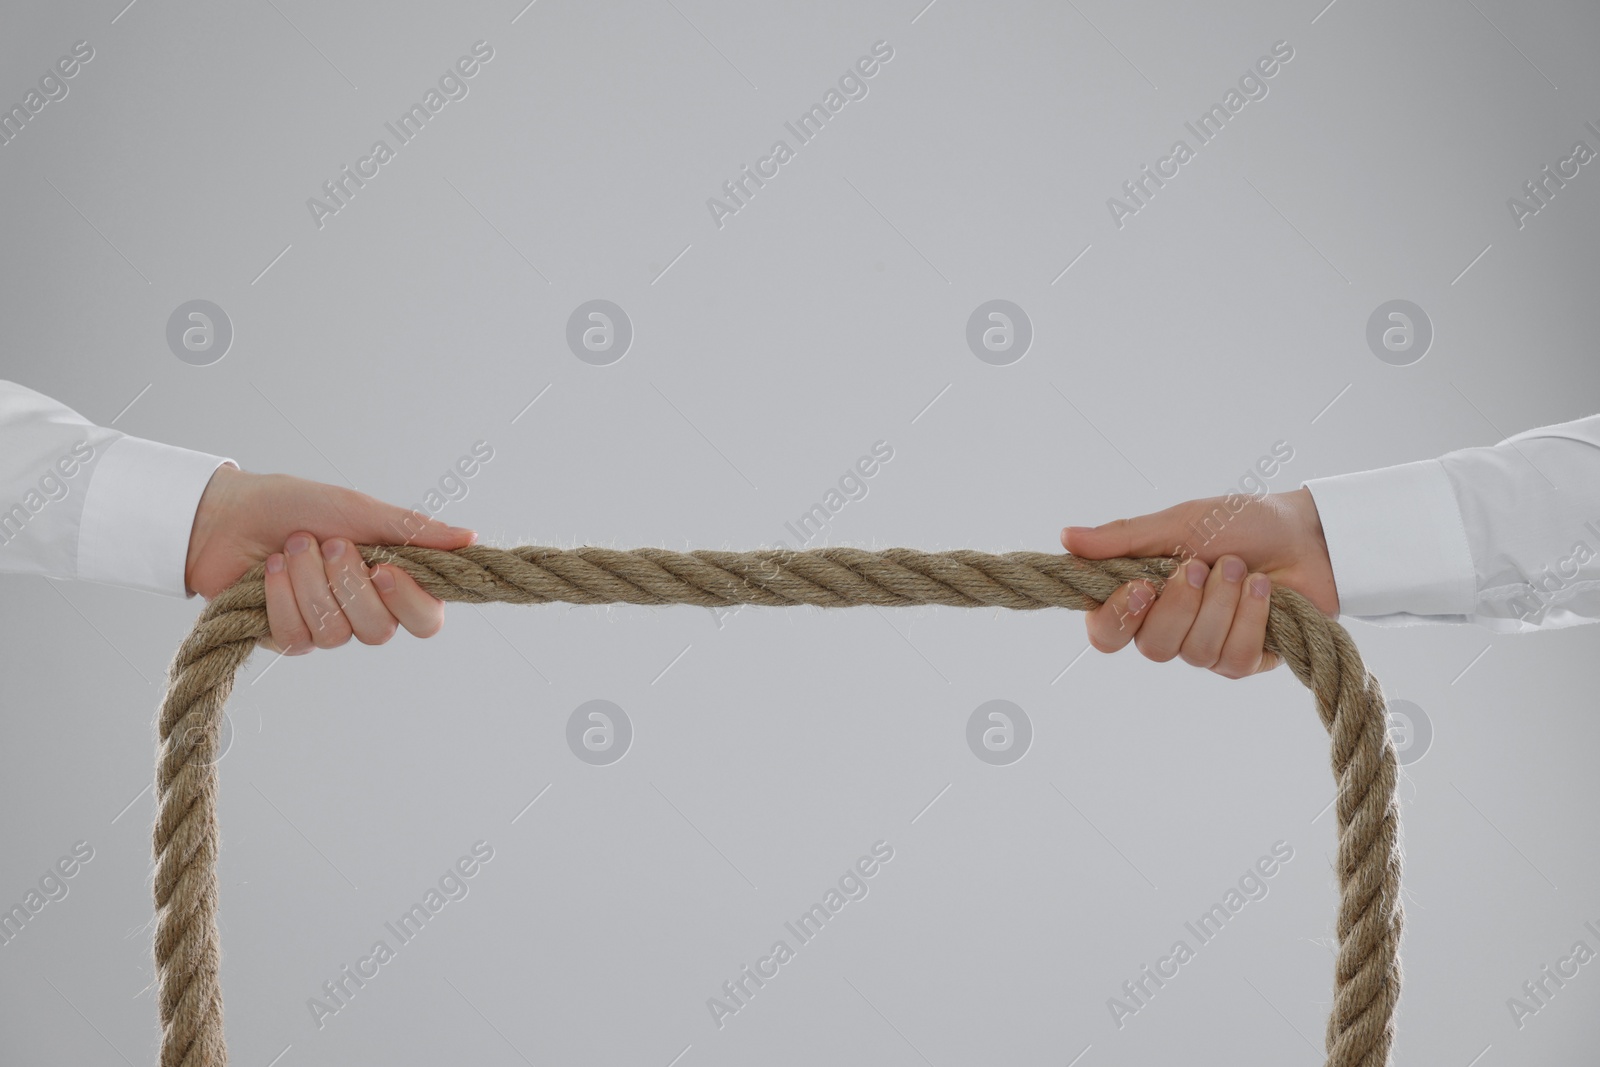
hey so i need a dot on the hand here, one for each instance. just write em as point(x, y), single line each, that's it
point(1213, 610)
point(318, 594)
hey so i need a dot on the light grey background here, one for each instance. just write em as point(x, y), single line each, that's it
point(830, 313)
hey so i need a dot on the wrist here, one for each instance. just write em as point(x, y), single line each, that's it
point(211, 516)
point(1308, 522)
point(1311, 545)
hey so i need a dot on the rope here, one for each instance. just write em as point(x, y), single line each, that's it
point(1319, 651)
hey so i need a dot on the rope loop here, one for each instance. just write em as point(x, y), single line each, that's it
point(1317, 649)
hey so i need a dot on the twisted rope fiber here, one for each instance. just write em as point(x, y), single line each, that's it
point(1319, 651)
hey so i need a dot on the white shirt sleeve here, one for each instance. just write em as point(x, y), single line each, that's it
point(1506, 537)
point(87, 502)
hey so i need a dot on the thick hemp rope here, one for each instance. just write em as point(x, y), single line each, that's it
point(1318, 650)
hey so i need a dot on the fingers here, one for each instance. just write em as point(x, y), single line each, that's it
point(1202, 647)
point(1116, 622)
point(420, 613)
point(319, 596)
point(319, 609)
point(1214, 617)
point(289, 633)
point(369, 619)
point(1169, 620)
point(1242, 652)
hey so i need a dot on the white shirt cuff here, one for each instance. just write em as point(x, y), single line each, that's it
point(138, 513)
point(1396, 540)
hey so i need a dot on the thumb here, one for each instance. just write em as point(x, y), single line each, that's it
point(334, 511)
point(405, 526)
point(1156, 534)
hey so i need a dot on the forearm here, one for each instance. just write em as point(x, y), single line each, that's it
point(1506, 537)
point(87, 502)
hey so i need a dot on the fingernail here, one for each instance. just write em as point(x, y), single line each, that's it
point(1233, 569)
point(1196, 572)
point(1138, 598)
point(383, 579)
point(333, 549)
point(1075, 531)
point(1260, 585)
point(298, 544)
point(471, 540)
point(275, 563)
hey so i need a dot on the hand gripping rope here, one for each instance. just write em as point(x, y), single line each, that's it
point(1318, 650)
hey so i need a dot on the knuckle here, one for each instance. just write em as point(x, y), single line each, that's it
point(1227, 666)
point(348, 585)
point(380, 635)
point(1241, 666)
point(292, 640)
point(331, 631)
point(1151, 649)
point(324, 612)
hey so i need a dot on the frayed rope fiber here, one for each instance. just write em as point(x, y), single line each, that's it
point(1318, 650)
